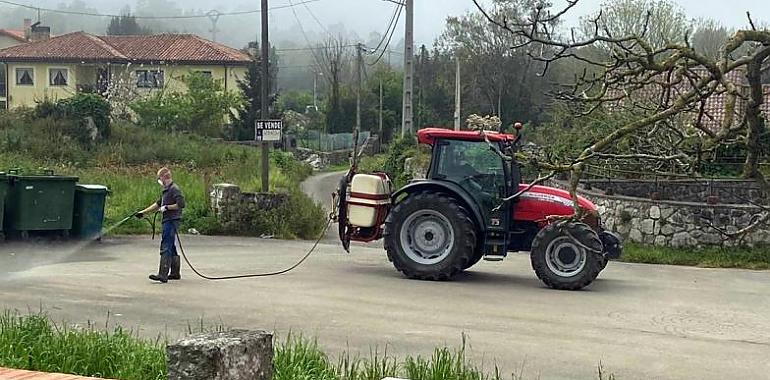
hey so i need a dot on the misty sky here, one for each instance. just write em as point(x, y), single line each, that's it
point(430, 14)
point(366, 16)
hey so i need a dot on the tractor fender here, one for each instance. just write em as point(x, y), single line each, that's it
point(448, 188)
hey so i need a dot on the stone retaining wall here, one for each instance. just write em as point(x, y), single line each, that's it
point(236, 210)
point(674, 223)
point(687, 190)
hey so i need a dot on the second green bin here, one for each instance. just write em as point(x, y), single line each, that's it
point(89, 211)
point(3, 192)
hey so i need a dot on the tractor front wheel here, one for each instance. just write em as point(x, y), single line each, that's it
point(566, 256)
point(429, 236)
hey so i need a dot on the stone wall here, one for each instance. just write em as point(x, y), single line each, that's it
point(236, 211)
point(688, 190)
point(678, 224)
point(675, 223)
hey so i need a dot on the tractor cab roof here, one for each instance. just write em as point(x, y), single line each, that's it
point(429, 135)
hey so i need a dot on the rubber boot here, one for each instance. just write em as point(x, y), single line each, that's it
point(163, 269)
point(175, 264)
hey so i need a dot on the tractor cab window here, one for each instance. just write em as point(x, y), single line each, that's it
point(473, 166)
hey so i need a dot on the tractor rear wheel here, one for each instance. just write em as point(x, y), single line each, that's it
point(566, 256)
point(429, 236)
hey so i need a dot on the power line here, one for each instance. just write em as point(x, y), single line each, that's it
point(92, 14)
point(392, 32)
point(390, 25)
point(313, 48)
point(325, 48)
point(316, 19)
point(304, 35)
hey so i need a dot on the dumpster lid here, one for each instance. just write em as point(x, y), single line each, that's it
point(44, 177)
point(91, 188)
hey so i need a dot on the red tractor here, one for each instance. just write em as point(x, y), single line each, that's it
point(437, 227)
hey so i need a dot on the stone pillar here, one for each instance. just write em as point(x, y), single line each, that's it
point(229, 355)
point(223, 194)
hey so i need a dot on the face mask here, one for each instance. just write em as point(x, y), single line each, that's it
point(160, 183)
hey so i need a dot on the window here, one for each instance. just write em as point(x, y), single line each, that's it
point(149, 78)
point(57, 77)
point(205, 74)
point(473, 166)
point(25, 76)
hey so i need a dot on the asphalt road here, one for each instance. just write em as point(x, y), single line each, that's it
point(639, 321)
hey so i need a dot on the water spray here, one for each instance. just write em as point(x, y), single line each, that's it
point(153, 224)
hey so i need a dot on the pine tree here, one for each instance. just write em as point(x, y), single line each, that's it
point(126, 25)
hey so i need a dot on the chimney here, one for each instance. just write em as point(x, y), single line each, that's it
point(27, 28)
point(39, 33)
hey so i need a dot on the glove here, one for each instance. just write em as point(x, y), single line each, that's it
point(163, 209)
point(139, 215)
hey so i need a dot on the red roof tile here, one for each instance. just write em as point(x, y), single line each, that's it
point(81, 46)
point(174, 47)
point(15, 34)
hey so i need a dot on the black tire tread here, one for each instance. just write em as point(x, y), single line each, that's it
point(465, 239)
point(584, 234)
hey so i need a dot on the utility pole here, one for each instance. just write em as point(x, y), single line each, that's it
point(214, 18)
point(381, 138)
point(359, 86)
point(457, 94)
point(265, 93)
point(315, 89)
point(406, 115)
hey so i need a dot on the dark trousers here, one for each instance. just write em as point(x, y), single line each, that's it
point(168, 238)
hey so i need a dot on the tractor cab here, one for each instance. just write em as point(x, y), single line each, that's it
point(436, 227)
point(466, 160)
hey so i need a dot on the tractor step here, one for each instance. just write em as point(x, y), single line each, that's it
point(494, 257)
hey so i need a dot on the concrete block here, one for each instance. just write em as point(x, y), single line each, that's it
point(229, 355)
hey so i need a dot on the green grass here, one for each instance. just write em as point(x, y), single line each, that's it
point(35, 343)
point(745, 258)
point(127, 162)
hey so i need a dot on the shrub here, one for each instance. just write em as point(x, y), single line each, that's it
point(79, 109)
point(298, 217)
point(203, 109)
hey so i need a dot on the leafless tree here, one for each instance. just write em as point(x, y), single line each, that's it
point(334, 57)
point(669, 84)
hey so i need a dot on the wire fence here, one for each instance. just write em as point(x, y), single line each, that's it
point(331, 142)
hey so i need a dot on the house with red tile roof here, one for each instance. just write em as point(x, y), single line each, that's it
point(714, 106)
point(11, 37)
point(59, 67)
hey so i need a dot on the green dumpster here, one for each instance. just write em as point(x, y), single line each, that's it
point(3, 192)
point(39, 203)
point(88, 214)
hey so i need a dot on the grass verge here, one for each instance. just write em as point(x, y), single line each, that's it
point(34, 342)
point(717, 257)
point(127, 161)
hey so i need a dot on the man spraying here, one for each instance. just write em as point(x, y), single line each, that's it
point(170, 205)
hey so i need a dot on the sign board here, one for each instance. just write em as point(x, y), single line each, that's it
point(268, 130)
